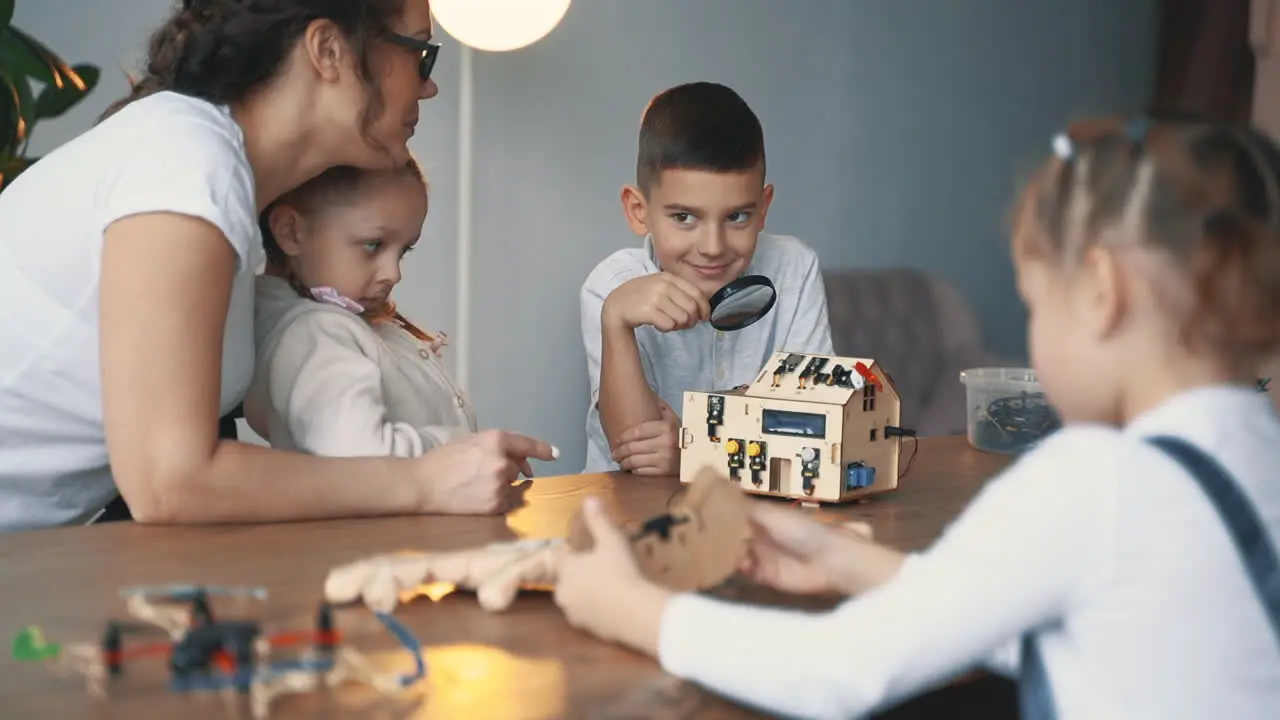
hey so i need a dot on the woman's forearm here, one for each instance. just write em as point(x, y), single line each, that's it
point(247, 483)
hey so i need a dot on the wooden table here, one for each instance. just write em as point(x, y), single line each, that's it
point(524, 663)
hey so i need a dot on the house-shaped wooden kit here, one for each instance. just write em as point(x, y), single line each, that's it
point(818, 428)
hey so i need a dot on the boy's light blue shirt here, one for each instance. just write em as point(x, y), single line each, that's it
point(703, 358)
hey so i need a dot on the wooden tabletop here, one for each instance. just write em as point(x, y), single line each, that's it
point(523, 663)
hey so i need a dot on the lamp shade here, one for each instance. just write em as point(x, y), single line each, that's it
point(498, 25)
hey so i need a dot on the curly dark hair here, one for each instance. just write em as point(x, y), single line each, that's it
point(223, 50)
point(1205, 193)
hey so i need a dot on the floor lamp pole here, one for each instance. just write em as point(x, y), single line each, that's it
point(466, 128)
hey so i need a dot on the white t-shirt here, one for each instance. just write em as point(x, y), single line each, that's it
point(165, 152)
point(701, 357)
point(1096, 540)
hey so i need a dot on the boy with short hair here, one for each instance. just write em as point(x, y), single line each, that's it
point(700, 201)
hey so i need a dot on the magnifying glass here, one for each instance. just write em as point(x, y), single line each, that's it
point(742, 302)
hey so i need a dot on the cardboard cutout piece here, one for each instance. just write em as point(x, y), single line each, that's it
point(697, 545)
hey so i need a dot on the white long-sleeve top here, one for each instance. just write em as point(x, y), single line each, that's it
point(326, 382)
point(1095, 539)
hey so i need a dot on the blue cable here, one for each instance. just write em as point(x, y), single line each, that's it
point(410, 643)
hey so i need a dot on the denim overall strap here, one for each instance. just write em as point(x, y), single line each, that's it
point(1247, 531)
point(1035, 696)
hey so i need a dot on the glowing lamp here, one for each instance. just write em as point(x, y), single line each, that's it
point(498, 25)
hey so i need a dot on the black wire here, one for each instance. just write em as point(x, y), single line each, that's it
point(915, 448)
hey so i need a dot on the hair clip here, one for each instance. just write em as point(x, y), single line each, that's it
point(1136, 129)
point(1063, 147)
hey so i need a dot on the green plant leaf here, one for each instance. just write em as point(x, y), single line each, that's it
point(22, 60)
point(15, 98)
point(34, 59)
point(53, 101)
point(10, 116)
point(26, 110)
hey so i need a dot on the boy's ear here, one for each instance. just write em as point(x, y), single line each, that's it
point(636, 209)
point(766, 199)
point(286, 227)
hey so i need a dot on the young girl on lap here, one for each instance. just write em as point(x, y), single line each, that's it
point(1103, 568)
point(340, 371)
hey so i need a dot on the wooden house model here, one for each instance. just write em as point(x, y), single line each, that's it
point(818, 428)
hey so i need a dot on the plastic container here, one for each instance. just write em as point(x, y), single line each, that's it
point(1008, 412)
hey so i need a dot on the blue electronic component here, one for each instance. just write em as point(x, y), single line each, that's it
point(857, 475)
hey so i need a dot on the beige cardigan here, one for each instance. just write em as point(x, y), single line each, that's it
point(328, 383)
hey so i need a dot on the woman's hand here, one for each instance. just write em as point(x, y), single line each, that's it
point(476, 474)
point(602, 591)
point(796, 553)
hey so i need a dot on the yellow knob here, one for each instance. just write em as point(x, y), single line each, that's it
point(731, 447)
point(753, 449)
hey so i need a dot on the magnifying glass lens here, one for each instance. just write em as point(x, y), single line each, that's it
point(742, 302)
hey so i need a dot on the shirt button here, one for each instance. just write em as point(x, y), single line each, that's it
point(423, 352)
point(461, 402)
point(719, 334)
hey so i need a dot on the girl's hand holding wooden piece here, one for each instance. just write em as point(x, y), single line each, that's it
point(795, 552)
point(600, 587)
point(614, 582)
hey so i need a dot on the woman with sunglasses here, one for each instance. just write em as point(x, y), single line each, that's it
point(127, 261)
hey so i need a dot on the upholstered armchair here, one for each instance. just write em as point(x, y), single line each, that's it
point(920, 330)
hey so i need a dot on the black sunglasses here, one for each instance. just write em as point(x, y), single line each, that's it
point(428, 49)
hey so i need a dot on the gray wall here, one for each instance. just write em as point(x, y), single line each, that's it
point(896, 134)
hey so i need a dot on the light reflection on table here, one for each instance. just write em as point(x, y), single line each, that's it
point(479, 681)
point(551, 502)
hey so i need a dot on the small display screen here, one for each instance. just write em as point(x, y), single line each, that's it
point(782, 422)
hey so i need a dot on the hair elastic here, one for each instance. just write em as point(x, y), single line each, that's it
point(1136, 129)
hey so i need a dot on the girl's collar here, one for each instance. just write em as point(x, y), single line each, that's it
point(325, 294)
point(333, 297)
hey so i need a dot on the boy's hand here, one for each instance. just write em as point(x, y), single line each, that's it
point(662, 300)
point(653, 447)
